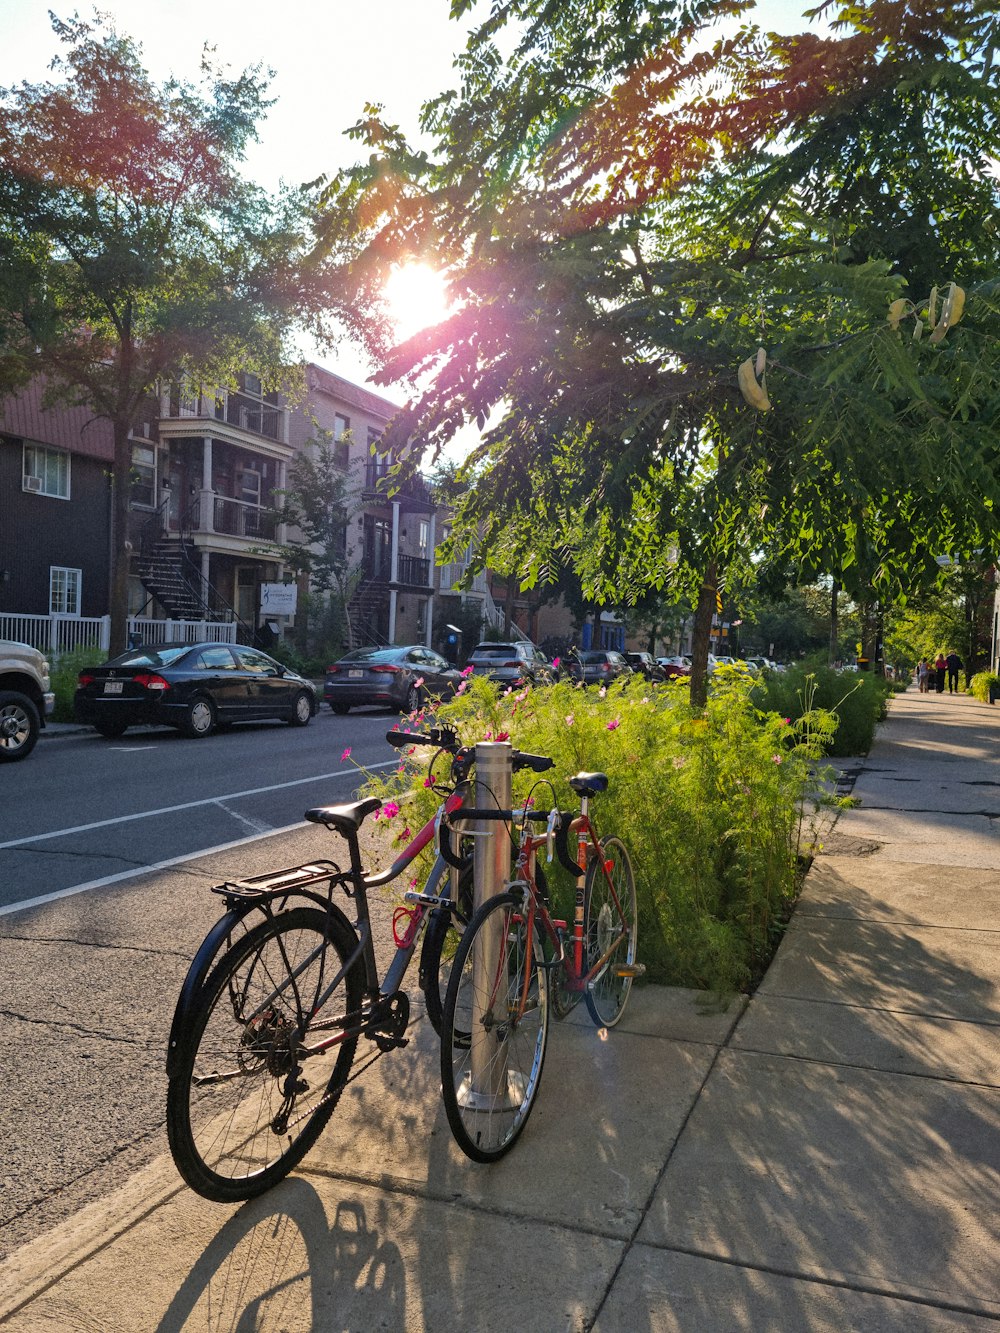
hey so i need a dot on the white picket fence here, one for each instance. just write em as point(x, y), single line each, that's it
point(55, 635)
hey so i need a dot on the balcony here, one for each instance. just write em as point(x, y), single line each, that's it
point(414, 570)
point(236, 518)
point(250, 414)
point(379, 476)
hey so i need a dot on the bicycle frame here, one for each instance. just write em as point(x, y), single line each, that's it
point(577, 975)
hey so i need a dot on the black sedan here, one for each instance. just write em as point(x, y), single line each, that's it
point(191, 686)
point(400, 678)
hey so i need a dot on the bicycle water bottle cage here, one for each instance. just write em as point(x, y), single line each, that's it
point(346, 819)
point(589, 784)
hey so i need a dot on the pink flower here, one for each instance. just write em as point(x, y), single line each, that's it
point(461, 688)
point(418, 682)
point(346, 754)
point(390, 809)
point(556, 661)
point(428, 782)
point(503, 736)
point(405, 835)
point(786, 721)
point(569, 719)
point(602, 691)
point(614, 724)
point(468, 671)
point(488, 736)
point(775, 758)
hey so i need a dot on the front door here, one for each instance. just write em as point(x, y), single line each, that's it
point(246, 594)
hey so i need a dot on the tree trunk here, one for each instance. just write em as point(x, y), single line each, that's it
point(120, 544)
point(834, 623)
point(702, 635)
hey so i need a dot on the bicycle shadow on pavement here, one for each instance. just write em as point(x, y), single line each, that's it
point(281, 1263)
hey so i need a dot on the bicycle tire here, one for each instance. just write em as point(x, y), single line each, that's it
point(437, 953)
point(226, 1134)
point(491, 1062)
point(608, 994)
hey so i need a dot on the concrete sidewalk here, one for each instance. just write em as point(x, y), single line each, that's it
point(825, 1157)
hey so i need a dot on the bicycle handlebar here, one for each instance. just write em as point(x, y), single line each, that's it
point(443, 737)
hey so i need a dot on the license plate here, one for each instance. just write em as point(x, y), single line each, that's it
point(355, 675)
point(113, 687)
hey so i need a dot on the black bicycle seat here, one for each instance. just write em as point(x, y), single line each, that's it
point(346, 819)
point(589, 784)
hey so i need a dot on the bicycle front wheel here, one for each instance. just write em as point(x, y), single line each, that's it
point(257, 1080)
point(610, 924)
point(495, 1027)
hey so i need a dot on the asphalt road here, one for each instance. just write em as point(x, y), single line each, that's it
point(107, 854)
point(82, 811)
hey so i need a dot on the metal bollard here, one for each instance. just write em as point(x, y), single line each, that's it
point(488, 1090)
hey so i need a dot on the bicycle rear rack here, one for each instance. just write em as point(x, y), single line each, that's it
point(280, 881)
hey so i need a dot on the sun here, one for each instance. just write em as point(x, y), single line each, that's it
point(416, 298)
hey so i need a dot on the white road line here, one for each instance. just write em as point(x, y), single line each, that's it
point(254, 824)
point(187, 805)
point(141, 870)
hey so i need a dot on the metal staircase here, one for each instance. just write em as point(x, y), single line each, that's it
point(367, 611)
point(176, 582)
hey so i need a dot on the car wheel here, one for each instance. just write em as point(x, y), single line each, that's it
point(111, 730)
point(341, 709)
point(199, 718)
point(412, 700)
point(19, 726)
point(302, 710)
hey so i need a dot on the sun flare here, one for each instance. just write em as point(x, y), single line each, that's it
point(416, 297)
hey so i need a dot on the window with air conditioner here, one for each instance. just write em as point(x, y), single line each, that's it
point(46, 471)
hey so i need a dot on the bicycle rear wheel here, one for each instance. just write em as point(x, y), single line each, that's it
point(495, 1030)
point(606, 921)
point(249, 1098)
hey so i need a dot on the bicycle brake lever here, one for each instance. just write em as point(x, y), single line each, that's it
point(550, 833)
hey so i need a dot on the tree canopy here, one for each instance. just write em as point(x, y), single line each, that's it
point(627, 207)
point(131, 249)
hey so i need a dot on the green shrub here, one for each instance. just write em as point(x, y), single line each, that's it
point(857, 700)
point(981, 683)
point(63, 673)
point(713, 805)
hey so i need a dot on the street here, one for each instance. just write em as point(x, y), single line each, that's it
point(107, 853)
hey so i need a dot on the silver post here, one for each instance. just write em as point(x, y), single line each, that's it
point(491, 864)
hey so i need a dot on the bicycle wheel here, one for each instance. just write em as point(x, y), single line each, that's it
point(604, 922)
point(249, 1097)
point(437, 954)
point(496, 1024)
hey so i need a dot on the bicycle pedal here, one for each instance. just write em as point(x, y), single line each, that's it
point(631, 970)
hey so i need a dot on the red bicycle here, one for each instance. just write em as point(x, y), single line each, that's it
point(516, 961)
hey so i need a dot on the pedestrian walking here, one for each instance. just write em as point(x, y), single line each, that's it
point(954, 664)
point(923, 674)
point(940, 670)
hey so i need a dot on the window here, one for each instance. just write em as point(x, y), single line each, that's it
point(425, 537)
point(46, 471)
point(422, 617)
point(143, 476)
point(216, 659)
point(341, 447)
point(64, 591)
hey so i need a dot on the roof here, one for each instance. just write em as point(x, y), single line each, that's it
point(325, 381)
point(75, 429)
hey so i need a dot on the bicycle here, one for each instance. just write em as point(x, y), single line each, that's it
point(284, 985)
point(515, 960)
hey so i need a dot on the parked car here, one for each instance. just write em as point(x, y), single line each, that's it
point(511, 662)
point(672, 667)
point(597, 666)
point(400, 678)
point(191, 686)
point(646, 664)
point(26, 699)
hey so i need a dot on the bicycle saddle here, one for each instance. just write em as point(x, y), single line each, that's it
point(589, 784)
point(346, 819)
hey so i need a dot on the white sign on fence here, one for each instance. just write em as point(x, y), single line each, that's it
point(279, 599)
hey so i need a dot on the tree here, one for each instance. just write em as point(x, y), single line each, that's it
point(627, 214)
point(317, 505)
point(131, 252)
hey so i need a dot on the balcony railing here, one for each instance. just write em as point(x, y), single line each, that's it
point(250, 414)
point(236, 518)
point(379, 475)
point(414, 569)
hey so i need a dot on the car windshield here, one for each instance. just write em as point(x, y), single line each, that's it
point(163, 656)
point(593, 657)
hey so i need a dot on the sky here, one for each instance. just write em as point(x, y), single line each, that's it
point(329, 58)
